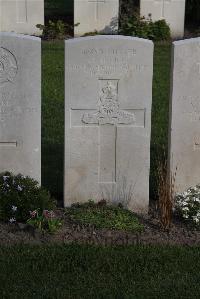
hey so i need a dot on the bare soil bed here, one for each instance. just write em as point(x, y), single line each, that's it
point(71, 232)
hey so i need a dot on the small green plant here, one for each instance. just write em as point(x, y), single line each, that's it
point(187, 205)
point(44, 221)
point(56, 30)
point(102, 215)
point(160, 30)
point(19, 195)
point(92, 33)
point(141, 27)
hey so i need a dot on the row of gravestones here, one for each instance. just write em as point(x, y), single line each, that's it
point(102, 15)
point(108, 81)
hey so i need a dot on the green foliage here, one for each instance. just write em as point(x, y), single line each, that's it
point(193, 11)
point(136, 26)
point(19, 195)
point(187, 205)
point(127, 9)
point(102, 215)
point(58, 8)
point(92, 33)
point(44, 221)
point(56, 30)
point(160, 30)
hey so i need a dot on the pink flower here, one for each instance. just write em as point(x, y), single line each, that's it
point(48, 214)
point(33, 213)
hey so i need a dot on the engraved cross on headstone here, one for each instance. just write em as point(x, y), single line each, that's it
point(21, 11)
point(107, 117)
point(163, 2)
point(97, 3)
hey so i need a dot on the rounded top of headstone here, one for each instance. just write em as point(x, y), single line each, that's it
point(109, 37)
point(186, 41)
point(21, 36)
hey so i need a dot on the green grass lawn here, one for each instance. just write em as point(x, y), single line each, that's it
point(160, 109)
point(53, 117)
point(95, 272)
point(53, 113)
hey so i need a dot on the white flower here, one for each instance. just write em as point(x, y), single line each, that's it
point(14, 208)
point(11, 220)
point(187, 199)
point(185, 209)
point(195, 219)
point(185, 194)
point(5, 177)
point(19, 188)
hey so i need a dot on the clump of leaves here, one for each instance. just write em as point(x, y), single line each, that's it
point(141, 27)
point(101, 215)
point(44, 220)
point(19, 195)
point(92, 33)
point(160, 30)
point(56, 30)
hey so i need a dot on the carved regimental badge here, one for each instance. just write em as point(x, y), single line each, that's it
point(108, 107)
point(8, 66)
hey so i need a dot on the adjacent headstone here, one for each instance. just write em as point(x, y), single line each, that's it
point(173, 11)
point(20, 104)
point(108, 120)
point(21, 16)
point(184, 150)
point(96, 15)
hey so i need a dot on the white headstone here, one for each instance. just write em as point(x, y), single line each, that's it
point(20, 104)
point(173, 11)
point(108, 120)
point(96, 15)
point(21, 16)
point(184, 150)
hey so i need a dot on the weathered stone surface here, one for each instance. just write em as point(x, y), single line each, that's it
point(108, 119)
point(20, 104)
point(184, 150)
point(100, 15)
point(21, 16)
point(173, 11)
